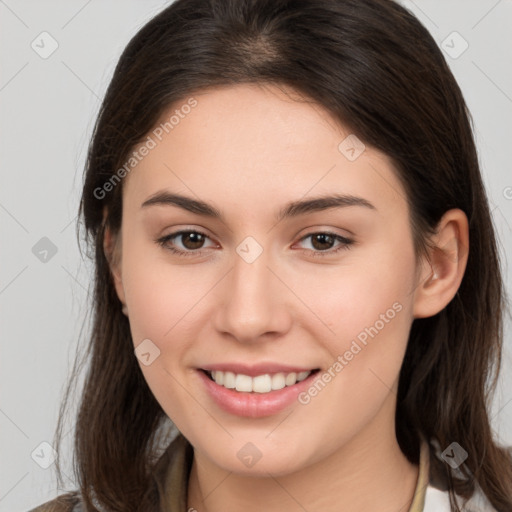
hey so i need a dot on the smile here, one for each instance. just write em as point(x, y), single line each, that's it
point(258, 395)
point(259, 384)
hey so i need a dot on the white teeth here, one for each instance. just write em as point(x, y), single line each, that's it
point(278, 381)
point(262, 383)
point(259, 384)
point(302, 375)
point(291, 379)
point(243, 383)
point(218, 377)
point(228, 381)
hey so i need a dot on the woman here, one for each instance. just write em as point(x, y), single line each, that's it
point(298, 300)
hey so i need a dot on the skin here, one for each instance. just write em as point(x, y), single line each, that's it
point(249, 150)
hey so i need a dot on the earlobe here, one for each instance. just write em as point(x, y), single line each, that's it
point(444, 267)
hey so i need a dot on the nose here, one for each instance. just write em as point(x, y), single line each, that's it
point(253, 305)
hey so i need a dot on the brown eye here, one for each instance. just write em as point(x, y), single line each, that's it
point(326, 244)
point(184, 242)
point(192, 240)
point(322, 241)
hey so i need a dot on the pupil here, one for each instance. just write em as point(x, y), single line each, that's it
point(323, 239)
point(196, 238)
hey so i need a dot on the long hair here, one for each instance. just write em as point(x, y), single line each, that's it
point(378, 71)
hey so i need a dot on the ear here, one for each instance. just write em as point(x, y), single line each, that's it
point(443, 268)
point(112, 250)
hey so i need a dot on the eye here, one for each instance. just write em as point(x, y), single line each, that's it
point(191, 241)
point(322, 243)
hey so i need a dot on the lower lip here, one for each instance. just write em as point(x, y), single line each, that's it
point(254, 405)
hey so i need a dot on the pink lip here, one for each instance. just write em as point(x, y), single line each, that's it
point(254, 405)
point(255, 369)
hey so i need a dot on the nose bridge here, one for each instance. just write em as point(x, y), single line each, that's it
point(254, 305)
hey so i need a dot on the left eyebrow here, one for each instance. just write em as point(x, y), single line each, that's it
point(293, 209)
point(296, 208)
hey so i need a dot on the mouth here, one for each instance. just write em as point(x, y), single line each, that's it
point(258, 384)
point(257, 390)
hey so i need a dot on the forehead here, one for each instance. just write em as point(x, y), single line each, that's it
point(251, 145)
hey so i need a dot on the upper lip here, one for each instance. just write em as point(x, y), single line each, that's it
point(253, 370)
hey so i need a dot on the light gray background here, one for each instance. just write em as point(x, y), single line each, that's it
point(48, 107)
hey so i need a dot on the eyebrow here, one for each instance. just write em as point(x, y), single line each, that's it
point(293, 209)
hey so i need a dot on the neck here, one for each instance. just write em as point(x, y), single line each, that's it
point(367, 473)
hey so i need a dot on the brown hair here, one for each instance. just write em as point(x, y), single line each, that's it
point(377, 70)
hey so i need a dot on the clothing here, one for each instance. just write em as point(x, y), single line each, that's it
point(173, 468)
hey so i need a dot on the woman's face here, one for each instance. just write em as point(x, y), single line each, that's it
point(265, 289)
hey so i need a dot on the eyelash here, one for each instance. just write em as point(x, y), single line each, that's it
point(345, 243)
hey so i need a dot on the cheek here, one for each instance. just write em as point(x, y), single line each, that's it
point(366, 290)
point(159, 295)
point(371, 322)
point(368, 307)
point(161, 301)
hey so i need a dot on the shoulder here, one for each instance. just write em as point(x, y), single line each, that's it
point(69, 502)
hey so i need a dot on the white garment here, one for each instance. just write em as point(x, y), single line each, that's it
point(439, 501)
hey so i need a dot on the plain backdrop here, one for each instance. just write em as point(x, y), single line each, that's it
point(57, 58)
